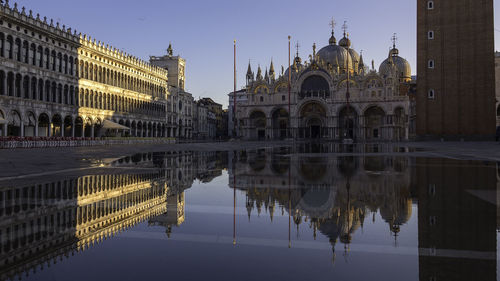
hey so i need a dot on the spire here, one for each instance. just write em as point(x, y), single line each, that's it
point(271, 71)
point(266, 76)
point(259, 73)
point(250, 76)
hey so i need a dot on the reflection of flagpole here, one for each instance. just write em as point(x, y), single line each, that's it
point(289, 211)
point(234, 207)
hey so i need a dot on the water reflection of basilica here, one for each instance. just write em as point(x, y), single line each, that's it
point(332, 195)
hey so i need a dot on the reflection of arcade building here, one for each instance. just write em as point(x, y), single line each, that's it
point(40, 223)
point(379, 104)
point(330, 194)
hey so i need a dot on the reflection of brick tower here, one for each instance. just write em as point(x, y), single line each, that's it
point(455, 63)
point(456, 228)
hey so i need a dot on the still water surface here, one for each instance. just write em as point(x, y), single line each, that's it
point(270, 214)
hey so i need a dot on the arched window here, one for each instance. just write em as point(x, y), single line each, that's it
point(32, 54)
point(53, 60)
point(2, 44)
point(39, 56)
point(33, 88)
point(46, 58)
point(65, 64)
point(59, 93)
point(71, 66)
point(40, 89)
point(17, 49)
point(25, 52)
point(59, 62)
point(8, 47)
point(66, 95)
point(48, 90)
point(2, 83)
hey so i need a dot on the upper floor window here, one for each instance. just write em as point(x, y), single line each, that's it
point(430, 34)
point(430, 5)
point(431, 94)
point(431, 64)
point(261, 99)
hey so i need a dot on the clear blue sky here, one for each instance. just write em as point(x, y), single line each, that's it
point(202, 31)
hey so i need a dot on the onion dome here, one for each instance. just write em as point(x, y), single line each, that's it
point(333, 53)
point(395, 63)
point(345, 42)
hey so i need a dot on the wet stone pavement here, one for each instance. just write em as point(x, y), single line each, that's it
point(273, 211)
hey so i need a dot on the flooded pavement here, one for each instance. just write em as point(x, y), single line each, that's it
point(304, 212)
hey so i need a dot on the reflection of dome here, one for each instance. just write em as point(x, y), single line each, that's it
point(397, 215)
point(316, 197)
point(401, 65)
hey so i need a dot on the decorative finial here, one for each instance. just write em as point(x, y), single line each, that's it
point(31, 13)
point(373, 65)
point(23, 10)
point(333, 23)
point(297, 46)
point(344, 28)
point(314, 50)
point(394, 40)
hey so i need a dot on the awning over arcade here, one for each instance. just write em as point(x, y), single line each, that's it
point(113, 126)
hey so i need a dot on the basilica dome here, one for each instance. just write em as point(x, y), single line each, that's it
point(335, 55)
point(401, 65)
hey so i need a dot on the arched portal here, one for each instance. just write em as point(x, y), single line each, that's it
point(88, 128)
point(57, 125)
point(280, 124)
point(79, 127)
point(258, 125)
point(348, 123)
point(29, 125)
point(68, 126)
point(374, 123)
point(14, 124)
point(313, 121)
point(43, 125)
point(97, 128)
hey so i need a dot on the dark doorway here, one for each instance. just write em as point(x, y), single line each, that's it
point(261, 134)
point(315, 132)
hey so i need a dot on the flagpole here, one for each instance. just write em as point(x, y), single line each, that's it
point(289, 87)
point(234, 94)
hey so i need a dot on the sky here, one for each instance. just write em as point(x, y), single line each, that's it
point(202, 31)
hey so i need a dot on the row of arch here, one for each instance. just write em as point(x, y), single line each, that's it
point(97, 73)
point(58, 125)
point(314, 122)
point(27, 87)
point(29, 53)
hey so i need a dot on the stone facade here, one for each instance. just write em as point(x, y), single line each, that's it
point(332, 96)
point(180, 103)
point(455, 43)
point(54, 82)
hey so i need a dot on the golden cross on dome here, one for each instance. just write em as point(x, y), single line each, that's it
point(333, 24)
point(394, 40)
point(344, 27)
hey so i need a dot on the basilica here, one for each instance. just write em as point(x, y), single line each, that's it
point(333, 95)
